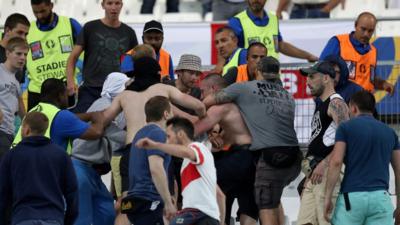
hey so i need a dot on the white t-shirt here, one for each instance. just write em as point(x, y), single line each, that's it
point(199, 182)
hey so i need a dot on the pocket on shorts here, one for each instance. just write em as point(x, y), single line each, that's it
point(384, 203)
point(263, 195)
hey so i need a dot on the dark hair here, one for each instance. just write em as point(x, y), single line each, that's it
point(37, 122)
point(155, 108)
point(179, 123)
point(225, 28)
point(16, 42)
point(216, 79)
point(364, 100)
point(51, 89)
point(14, 19)
point(255, 44)
point(146, 72)
point(37, 2)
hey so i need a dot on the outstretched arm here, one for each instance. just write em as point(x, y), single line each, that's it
point(187, 101)
point(213, 116)
point(291, 50)
point(217, 99)
point(171, 149)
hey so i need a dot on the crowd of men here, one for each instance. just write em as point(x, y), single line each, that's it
point(181, 149)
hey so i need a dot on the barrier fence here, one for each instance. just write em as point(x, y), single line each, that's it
point(388, 106)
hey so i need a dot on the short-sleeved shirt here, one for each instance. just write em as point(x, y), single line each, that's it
point(333, 47)
point(140, 180)
point(66, 126)
point(199, 181)
point(369, 147)
point(20, 75)
point(10, 92)
point(237, 27)
point(268, 111)
point(103, 46)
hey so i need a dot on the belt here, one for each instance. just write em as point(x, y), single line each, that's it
point(239, 147)
point(310, 6)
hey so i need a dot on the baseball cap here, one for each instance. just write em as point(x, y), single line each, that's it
point(269, 67)
point(320, 67)
point(153, 26)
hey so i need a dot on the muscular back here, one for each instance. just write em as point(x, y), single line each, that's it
point(132, 104)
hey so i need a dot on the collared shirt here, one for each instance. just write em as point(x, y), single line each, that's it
point(242, 57)
point(333, 47)
point(236, 26)
point(76, 26)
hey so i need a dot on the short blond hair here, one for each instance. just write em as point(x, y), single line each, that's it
point(16, 42)
point(141, 51)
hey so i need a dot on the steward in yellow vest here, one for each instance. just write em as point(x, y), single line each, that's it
point(255, 24)
point(51, 39)
point(64, 126)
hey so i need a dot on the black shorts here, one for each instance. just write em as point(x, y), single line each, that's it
point(235, 176)
point(147, 212)
point(271, 180)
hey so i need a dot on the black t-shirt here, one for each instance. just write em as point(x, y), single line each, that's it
point(103, 46)
point(20, 75)
point(231, 76)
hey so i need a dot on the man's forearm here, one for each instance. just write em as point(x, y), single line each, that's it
point(291, 50)
point(176, 150)
point(332, 177)
point(160, 181)
point(378, 83)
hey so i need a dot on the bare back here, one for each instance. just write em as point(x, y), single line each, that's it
point(132, 104)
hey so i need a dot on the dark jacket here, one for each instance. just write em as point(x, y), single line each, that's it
point(36, 177)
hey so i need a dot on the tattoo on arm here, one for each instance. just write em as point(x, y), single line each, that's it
point(221, 97)
point(338, 110)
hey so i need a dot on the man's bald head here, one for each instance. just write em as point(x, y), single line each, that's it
point(211, 84)
point(365, 27)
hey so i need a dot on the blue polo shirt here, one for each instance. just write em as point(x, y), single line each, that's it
point(333, 47)
point(242, 57)
point(369, 147)
point(236, 26)
point(140, 180)
point(65, 126)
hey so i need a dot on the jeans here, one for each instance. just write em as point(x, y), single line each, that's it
point(148, 5)
point(303, 13)
point(96, 205)
point(5, 143)
point(39, 222)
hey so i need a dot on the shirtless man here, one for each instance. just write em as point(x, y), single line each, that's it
point(235, 169)
point(131, 101)
point(147, 85)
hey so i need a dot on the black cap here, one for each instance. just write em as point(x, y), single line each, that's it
point(269, 67)
point(320, 67)
point(153, 26)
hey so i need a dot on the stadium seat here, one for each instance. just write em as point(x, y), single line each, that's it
point(138, 18)
point(190, 6)
point(354, 7)
point(181, 17)
point(131, 7)
point(208, 17)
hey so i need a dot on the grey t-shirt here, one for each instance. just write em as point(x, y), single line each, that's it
point(100, 150)
point(9, 94)
point(268, 110)
point(103, 48)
